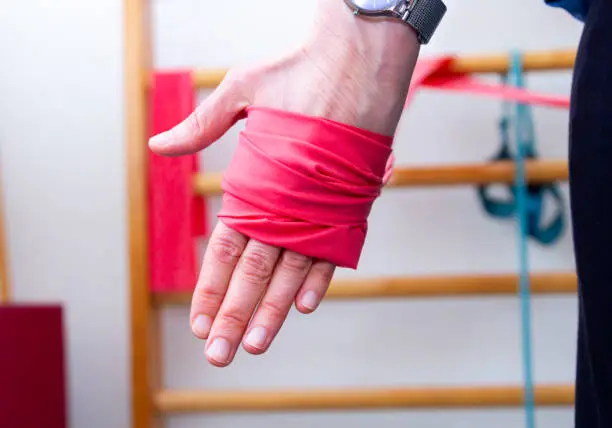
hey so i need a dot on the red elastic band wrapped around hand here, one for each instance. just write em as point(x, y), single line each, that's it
point(304, 183)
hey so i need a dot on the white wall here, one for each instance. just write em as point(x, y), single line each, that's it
point(61, 142)
point(61, 131)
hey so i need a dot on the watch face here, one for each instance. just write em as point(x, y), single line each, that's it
point(374, 5)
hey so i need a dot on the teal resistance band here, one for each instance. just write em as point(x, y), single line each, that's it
point(523, 128)
point(506, 208)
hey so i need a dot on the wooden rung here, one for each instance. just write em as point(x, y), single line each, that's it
point(532, 61)
point(208, 184)
point(361, 399)
point(426, 286)
point(562, 59)
point(540, 171)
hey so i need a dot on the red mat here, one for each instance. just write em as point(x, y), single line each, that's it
point(32, 379)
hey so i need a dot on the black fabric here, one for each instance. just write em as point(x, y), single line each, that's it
point(591, 202)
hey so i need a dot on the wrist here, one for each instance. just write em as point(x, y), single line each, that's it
point(370, 60)
point(378, 41)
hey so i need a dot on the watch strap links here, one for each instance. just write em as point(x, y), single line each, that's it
point(424, 16)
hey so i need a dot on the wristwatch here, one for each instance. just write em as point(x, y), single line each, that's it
point(422, 15)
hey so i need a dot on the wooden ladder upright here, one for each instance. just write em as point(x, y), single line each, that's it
point(151, 401)
point(5, 285)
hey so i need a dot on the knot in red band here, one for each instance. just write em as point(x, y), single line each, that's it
point(304, 183)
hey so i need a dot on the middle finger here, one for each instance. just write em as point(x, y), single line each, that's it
point(247, 285)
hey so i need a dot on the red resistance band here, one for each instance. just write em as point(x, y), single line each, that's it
point(305, 184)
point(435, 73)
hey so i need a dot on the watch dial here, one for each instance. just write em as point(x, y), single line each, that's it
point(375, 4)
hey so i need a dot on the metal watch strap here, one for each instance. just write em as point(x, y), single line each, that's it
point(424, 16)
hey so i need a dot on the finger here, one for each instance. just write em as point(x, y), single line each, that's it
point(315, 286)
point(290, 273)
point(208, 122)
point(222, 254)
point(246, 288)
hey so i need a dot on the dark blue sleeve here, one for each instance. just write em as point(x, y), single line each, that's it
point(577, 8)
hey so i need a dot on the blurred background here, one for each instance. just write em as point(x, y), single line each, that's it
point(62, 152)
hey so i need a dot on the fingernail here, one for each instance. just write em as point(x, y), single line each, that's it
point(201, 326)
point(310, 300)
point(257, 337)
point(155, 141)
point(219, 350)
point(159, 140)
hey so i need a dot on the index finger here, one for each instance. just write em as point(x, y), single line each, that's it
point(222, 254)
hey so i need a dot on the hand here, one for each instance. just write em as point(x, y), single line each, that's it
point(345, 73)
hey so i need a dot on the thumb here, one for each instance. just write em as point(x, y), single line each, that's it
point(207, 123)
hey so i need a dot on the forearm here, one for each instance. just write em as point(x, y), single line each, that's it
point(372, 61)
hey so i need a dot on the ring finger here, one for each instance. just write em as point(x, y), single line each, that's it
point(289, 275)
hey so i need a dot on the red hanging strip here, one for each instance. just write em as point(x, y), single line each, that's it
point(176, 215)
point(435, 73)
